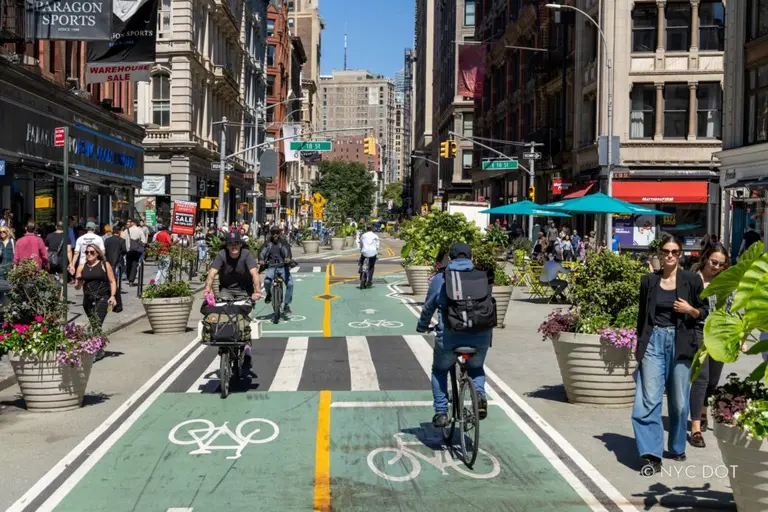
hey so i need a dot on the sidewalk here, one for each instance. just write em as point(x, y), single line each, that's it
point(133, 310)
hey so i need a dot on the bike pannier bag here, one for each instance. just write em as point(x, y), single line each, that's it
point(471, 307)
point(226, 324)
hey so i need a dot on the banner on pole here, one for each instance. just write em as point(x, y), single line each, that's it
point(70, 20)
point(291, 132)
point(471, 70)
point(183, 219)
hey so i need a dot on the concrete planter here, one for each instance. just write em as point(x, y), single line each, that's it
point(349, 242)
point(48, 386)
point(594, 372)
point(746, 460)
point(502, 294)
point(337, 244)
point(311, 246)
point(169, 315)
point(418, 279)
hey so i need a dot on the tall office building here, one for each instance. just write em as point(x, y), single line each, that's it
point(423, 172)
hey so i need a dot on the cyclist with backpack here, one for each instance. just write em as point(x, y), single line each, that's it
point(276, 255)
point(466, 316)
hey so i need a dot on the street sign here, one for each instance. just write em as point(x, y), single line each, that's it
point(253, 193)
point(2, 167)
point(215, 166)
point(58, 137)
point(500, 165)
point(309, 145)
point(532, 156)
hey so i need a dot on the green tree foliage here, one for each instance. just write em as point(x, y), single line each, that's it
point(348, 187)
point(394, 192)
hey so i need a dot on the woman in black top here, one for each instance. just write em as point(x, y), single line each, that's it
point(670, 309)
point(99, 287)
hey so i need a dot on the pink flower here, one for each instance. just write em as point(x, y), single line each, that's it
point(39, 318)
point(44, 329)
point(2, 337)
point(5, 325)
point(151, 281)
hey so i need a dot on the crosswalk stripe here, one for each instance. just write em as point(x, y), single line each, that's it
point(315, 269)
point(295, 270)
point(421, 350)
point(361, 369)
point(292, 365)
point(211, 373)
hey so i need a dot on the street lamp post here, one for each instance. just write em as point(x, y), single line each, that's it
point(609, 65)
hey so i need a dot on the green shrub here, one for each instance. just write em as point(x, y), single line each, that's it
point(497, 236)
point(428, 236)
point(521, 243)
point(33, 293)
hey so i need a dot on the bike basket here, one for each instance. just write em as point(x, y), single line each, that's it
point(226, 325)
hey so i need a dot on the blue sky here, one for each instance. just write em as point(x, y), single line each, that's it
point(377, 34)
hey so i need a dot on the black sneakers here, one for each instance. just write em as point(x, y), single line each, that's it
point(651, 466)
point(287, 310)
point(440, 420)
point(483, 407)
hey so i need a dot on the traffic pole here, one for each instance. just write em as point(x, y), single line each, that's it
point(222, 170)
point(532, 182)
point(65, 215)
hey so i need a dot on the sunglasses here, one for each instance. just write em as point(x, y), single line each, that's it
point(668, 252)
point(91, 253)
point(717, 264)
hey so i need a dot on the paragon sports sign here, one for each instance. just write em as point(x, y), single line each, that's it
point(80, 20)
point(184, 213)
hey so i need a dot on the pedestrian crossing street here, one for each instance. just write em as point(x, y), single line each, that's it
point(351, 363)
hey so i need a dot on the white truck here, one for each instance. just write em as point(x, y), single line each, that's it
point(471, 210)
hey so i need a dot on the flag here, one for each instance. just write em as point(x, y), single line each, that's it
point(471, 70)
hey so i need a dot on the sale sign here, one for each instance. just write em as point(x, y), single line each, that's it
point(183, 219)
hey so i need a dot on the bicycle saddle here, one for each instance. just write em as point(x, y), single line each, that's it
point(465, 350)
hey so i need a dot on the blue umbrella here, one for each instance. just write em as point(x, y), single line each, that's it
point(600, 203)
point(524, 208)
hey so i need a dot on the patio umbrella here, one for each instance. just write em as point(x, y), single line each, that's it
point(524, 208)
point(600, 203)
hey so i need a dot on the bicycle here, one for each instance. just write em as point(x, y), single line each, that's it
point(365, 278)
point(277, 294)
point(468, 420)
point(231, 353)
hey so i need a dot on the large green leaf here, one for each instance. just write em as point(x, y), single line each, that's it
point(698, 361)
point(756, 312)
point(406, 250)
point(749, 282)
point(727, 282)
point(759, 373)
point(758, 348)
point(723, 336)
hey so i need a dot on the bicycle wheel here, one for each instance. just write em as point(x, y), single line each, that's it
point(452, 411)
point(277, 302)
point(469, 421)
point(225, 372)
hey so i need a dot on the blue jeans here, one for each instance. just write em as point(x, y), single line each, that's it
point(442, 361)
point(286, 275)
point(658, 370)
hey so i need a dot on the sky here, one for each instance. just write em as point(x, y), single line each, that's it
point(377, 34)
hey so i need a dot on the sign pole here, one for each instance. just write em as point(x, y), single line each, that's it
point(65, 216)
point(532, 181)
point(222, 170)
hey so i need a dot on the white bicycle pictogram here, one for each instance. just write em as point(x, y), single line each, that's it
point(207, 433)
point(392, 324)
point(296, 318)
point(440, 459)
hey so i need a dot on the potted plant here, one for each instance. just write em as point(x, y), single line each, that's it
point(168, 304)
point(337, 240)
point(498, 238)
point(310, 241)
point(740, 407)
point(503, 285)
point(595, 340)
point(349, 232)
point(51, 361)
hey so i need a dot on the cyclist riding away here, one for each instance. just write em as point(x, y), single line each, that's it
point(460, 323)
point(276, 255)
point(368, 243)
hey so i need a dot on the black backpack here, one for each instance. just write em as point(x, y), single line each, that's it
point(54, 259)
point(471, 307)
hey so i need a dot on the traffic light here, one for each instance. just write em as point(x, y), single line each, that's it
point(303, 198)
point(226, 184)
point(445, 149)
point(453, 148)
point(369, 146)
point(532, 193)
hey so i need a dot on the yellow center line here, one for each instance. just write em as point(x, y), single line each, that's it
point(327, 303)
point(323, 454)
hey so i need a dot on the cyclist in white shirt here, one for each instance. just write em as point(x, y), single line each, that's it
point(368, 243)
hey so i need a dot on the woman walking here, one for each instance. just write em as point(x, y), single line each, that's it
point(99, 287)
point(670, 310)
point(713, 261)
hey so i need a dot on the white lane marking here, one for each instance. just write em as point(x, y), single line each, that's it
point(295, 270)
point(361, 368)
point(108, 443)
point(210, 374)
point(372, 405)
point(316, 269)
point(291, 366)
point(423, 355)
point(268, 331)
point(176, 509)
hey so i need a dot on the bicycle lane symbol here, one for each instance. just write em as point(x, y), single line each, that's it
point(365, 324)
point(204, 433)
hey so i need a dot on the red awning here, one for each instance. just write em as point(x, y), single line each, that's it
point(639, 192)
point(580, 191)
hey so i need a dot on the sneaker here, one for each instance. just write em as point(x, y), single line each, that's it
point(287, 310)
point(267, 299)
point(651, 466)
point(483, 407)
point(440, 420)
point(679, 457)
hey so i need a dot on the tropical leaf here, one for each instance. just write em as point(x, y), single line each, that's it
point(698, 362)
point(749, 281)
point(723, 336)
point(758, 348)
point(727, 282)
point(759, 373)
point(756, 313)
point(406, 250)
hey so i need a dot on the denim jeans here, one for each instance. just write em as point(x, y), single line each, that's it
point(163, 264)
point(659, 369)
point(442, 361)
point(286, 274)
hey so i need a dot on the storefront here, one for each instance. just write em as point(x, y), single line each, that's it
point(105, 156)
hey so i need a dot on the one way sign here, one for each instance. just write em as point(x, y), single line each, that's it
point(532, 156)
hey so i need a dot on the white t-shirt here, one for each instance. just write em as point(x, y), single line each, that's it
point(369, 244)
point(84, 241)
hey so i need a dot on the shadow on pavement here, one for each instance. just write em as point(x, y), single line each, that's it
point(623, 447)
point(554, 393)
point(112, 353)
point(683, 498)
point(88, 400)
point(186, 329)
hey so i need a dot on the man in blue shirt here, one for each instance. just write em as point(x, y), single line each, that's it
point(446, 340)
point(615, 245)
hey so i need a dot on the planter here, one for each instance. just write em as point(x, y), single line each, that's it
point(349, 242)
point(594, 372)
point(502, 294)
point(418, 279)
point(311, 246)
point(746, 460)
point(48, 386)
point(169, 315)
point(337, 244)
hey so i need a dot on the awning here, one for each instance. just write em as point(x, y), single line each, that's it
point(639, 192)
point(748, 183)
point(580, 191)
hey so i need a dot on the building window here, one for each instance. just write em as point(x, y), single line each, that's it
point(644, 27)
point(757, 16)
point(757, 105)
point(290, 6)
point(164, 29)
point(161, 100)
point(678, 27)
point(270, 28)
point(467, 124)
point(712, 26)
point(271, 55)
point(270, 85)
point(466, 160)
point(469, 13)
point(709, 106)
point(642, 112)
point(676, 101)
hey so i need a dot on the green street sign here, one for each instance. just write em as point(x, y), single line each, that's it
point(500, 165)
point(308, 145)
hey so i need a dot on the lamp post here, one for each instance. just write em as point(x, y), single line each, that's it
point(609, 65)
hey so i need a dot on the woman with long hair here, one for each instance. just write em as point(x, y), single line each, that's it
point(712, 262)
point(670, 310)
point(99, 286)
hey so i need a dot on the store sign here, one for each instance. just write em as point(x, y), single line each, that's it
point(99, 73)
point(183, 219)
point(82, 188)
point(75, 20)
point(558, 186)
point(154, 185)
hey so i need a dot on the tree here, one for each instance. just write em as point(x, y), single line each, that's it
point(394, 192)
point(348, 187)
